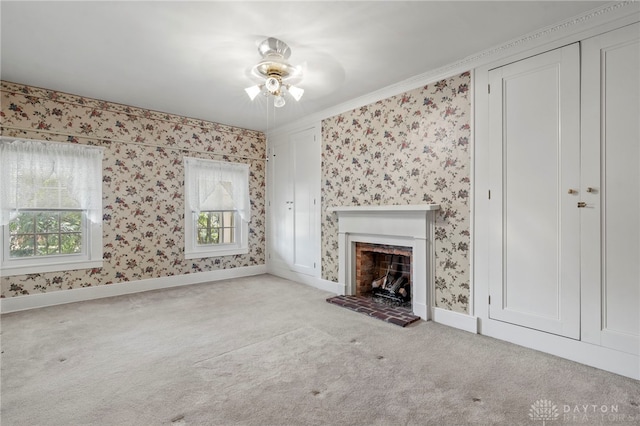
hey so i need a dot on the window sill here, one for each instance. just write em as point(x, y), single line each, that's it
point(8, 271)
point(215, 253)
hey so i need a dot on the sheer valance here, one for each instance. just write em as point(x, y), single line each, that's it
point(217, 185)
point(49, 175)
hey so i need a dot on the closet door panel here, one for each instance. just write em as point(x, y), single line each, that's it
point(282, 218)
point(295, 185)
point(534, 131)
point(611, 169)
point(306, 175)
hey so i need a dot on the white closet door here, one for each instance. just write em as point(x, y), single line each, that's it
point(295, 168)
point(306, 176)
point(282, 209)
point(611, 169)
point(535, 170)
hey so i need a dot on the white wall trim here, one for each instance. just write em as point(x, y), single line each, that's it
point(455, 319)
point(329, 286)
point(472, 199)
point(319, 283)
point(595, 21)
point(40, 300)
point(596, 356)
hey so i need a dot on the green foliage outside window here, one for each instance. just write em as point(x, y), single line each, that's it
point(45, 233)
point(216, 227)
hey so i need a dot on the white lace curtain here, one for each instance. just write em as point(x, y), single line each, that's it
point(217, 185)
point(49, 175)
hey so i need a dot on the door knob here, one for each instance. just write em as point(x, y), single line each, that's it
point(582, 204)
point(572, 191)
point(590, 189)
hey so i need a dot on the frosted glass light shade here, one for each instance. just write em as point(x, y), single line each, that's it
point(278, 101)
point(296, 92)
point(252, 91)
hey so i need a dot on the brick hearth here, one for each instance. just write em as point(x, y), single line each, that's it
point(366, 305)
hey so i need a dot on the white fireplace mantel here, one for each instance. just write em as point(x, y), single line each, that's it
point(408, 225)
point(378, 209)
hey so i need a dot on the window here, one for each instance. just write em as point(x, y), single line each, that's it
point(51, 206)
point(217, 208)
point(45, 233)
point(216, 227)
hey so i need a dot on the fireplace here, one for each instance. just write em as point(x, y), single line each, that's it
point(406, 228)
point(383, 272)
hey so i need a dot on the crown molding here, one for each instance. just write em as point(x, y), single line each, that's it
point(588, 24)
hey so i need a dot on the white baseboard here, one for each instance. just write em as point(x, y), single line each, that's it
point(316, 282)
point(600, 357)
point(40, 300)
point(421, 310)
point(455, 319)
point(329, 286)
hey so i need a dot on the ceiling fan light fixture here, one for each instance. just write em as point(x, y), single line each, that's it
point(275, 72)
point(278, 101)
point(273, 46)
point(295, 92)
point(253, 91)
point(273, 84)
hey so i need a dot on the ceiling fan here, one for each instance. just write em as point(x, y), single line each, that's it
point(276, 74)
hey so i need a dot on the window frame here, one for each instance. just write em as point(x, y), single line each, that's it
point(193, 250)
point(89, 257)
point(92, 254)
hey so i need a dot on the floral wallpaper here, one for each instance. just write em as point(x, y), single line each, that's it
point(408, 149)
point(143, 182)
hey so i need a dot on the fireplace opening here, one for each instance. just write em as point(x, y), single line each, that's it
point(383, 272)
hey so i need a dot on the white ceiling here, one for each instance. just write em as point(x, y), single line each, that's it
point(193, 58)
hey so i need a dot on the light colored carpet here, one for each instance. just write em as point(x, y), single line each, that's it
point(267, 351)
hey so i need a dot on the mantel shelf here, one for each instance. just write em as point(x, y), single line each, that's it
point(374, 209)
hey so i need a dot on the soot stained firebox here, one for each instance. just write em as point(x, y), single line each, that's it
point(384, 273)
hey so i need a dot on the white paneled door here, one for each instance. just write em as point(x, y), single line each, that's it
point(535, 190)
point(611, 189)
point(282, 204)
point(296, 175)
point(306, 175)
